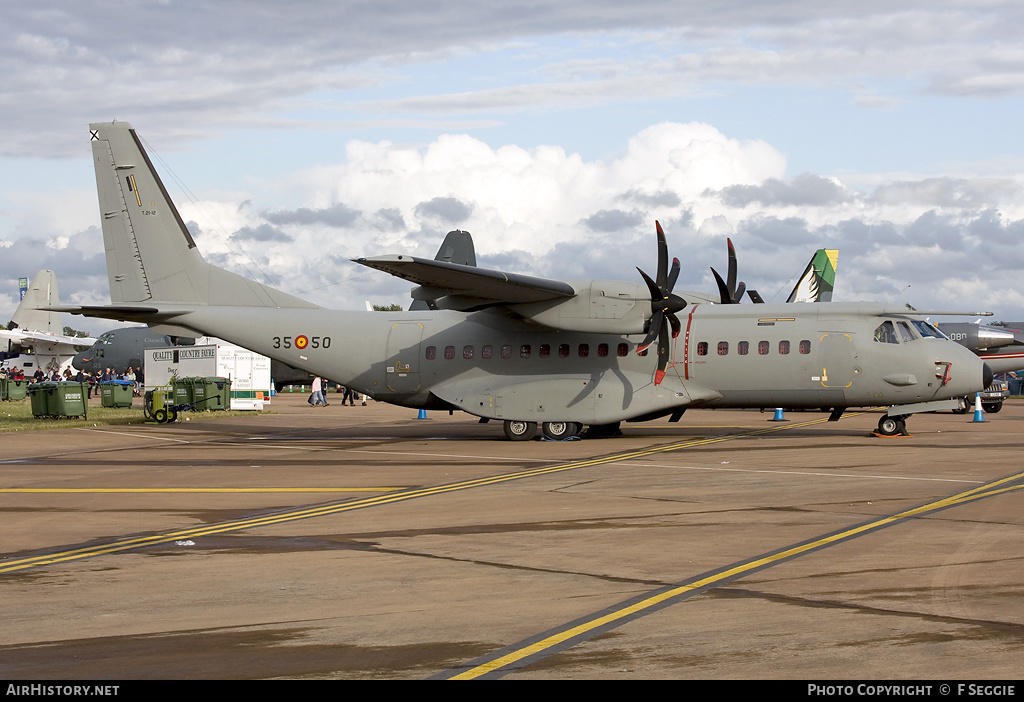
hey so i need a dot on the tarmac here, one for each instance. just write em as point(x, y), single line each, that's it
point(368, 543)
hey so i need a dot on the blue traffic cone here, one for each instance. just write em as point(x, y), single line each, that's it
point(422, 414)
point(979, 416)
point(273, 392)
point(778, 416)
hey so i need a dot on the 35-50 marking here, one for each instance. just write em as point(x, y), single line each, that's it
point(302, 342)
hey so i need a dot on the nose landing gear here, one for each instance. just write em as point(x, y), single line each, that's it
point(892, 426)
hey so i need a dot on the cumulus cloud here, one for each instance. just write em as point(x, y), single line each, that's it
point(546, 212)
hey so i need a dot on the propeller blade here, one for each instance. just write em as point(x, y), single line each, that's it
point(653, 329)
point(656, 294)
point(662, 272)
point(754, 297)
point(676, 327)
point(738, 295)
point(732, 269)
point(723, 291)
point(663, 349)
point(672, 275)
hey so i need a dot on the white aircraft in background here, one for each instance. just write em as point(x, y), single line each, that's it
point(38, 339)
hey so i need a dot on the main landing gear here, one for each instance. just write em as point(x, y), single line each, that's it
point(517, 430)
point(893, 426)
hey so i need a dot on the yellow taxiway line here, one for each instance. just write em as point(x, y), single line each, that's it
point(581, 630)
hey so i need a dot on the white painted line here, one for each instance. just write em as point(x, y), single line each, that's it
point(800, 472)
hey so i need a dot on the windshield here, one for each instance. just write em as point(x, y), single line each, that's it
point(927, 329)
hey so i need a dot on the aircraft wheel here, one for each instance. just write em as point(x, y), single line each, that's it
point(517, 430)
point(160, 415)
point(890, 426)
point(992, 407)
point(559, 431)
point(962, 406)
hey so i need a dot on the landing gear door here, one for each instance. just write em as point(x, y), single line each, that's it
point(402, 372)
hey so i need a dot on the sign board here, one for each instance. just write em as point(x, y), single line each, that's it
point(249, 372)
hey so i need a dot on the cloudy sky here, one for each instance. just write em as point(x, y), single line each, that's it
point(295, 136)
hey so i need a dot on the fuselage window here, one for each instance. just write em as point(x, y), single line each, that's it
point(467, 352)
point(783, 347)
point(449, 353)
point(805, 346)
point(886, 333)
point(506, 351)
point(544, 351)
point(723, 348)
point(486, 351)
point(431, 352)
point(743, 348)
point(563, 350)
point(623, 349)
point(762, 348)
point(602, 350)
point(702, 348)
point(584, 350)
point(524, 351)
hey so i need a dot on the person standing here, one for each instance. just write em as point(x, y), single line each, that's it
point(317, 398)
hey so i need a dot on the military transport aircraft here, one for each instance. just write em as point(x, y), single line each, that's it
point(37, 339)
point(530, 352)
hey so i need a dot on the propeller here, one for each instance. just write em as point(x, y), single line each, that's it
point(731, 292)
point(664, 305)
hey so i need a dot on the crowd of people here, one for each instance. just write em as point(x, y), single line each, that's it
point(131, 375)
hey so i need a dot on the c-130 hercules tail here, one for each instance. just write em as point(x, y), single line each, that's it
point(534, 353)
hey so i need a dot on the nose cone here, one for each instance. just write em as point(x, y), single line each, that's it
point(987, 375)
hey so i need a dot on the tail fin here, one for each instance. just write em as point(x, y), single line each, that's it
point(151, 257)
point(42, 292)
point(457, 247)
point(819, 278)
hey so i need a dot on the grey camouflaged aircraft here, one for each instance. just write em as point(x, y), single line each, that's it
point(533, 353)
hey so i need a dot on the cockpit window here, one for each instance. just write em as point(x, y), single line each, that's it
point(927, 330)
point(107, 338)
point(905, 333)
point(886, 333)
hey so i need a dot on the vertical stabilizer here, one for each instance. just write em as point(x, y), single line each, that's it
point(42, 292)
point(819, 278)
point(151, 257)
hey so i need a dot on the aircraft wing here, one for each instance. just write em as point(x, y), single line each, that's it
point(469, 281)
point(27, 337)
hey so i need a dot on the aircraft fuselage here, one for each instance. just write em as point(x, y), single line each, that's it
point(492, 365)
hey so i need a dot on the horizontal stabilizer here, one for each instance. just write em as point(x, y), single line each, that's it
point(128, 313)
point(27, 338)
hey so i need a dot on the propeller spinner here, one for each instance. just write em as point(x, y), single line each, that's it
point(664, 305)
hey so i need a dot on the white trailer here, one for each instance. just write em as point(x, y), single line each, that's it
point(249, 372)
